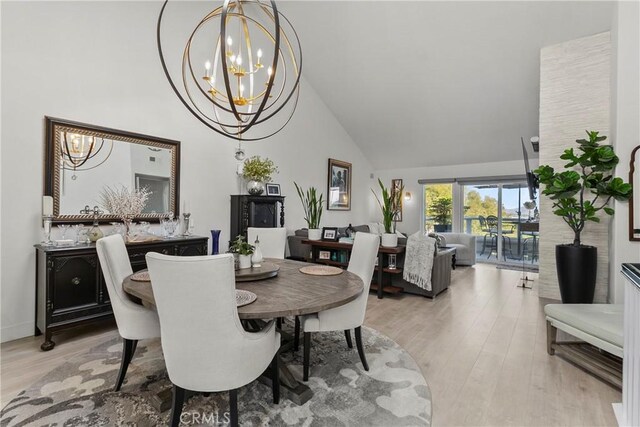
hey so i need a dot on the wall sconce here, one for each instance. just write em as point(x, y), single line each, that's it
point(407, 196)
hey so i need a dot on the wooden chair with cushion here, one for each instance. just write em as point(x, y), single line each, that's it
point(351, 315)
point(273, 241)
point(205, 347)
point(134, 321)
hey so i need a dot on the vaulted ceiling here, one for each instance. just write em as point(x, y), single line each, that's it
point(421, 83)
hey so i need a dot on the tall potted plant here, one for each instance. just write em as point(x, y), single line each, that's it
point(579, 193)
point(312, 205)
point(257, 171)
point(390, 206)
point(440, 209)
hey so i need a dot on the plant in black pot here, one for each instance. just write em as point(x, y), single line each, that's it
point(440, 210)
point(579, 194)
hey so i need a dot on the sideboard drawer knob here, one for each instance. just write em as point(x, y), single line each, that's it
point(75, 281)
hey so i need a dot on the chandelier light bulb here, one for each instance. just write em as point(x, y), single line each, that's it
point(229, 41)
point(239, 60)
point(207, 65)
point(232, 59)
point(259, 53)
point(269, 71)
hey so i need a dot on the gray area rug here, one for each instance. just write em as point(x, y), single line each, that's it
point(79, 392)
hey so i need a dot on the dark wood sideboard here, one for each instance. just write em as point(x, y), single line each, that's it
point(255, 211)
point(70, 287)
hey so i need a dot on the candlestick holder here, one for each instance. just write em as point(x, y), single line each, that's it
point(46, 223)
point(186, 217)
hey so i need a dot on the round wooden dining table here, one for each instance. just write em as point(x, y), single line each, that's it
point(290, 293)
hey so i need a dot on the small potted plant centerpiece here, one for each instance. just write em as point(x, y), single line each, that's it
point(257, 172)
point(312, 205)
point(390, 206)
point(578, 193)
point(243, 250)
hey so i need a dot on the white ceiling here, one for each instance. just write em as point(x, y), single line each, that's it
point(435, 83)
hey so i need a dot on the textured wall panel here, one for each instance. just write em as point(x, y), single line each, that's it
point(574, 96)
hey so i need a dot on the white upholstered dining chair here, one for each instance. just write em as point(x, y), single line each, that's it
point(273, 241)
point(205, 347)
point(351, 315)
point(135, 322)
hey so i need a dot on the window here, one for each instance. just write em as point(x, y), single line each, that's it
point(438, 207)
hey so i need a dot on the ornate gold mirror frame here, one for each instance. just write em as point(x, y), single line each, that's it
point(54, 146)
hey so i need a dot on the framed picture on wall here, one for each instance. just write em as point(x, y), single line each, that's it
point(273, 189)
point(396, 186)
point(339, 186)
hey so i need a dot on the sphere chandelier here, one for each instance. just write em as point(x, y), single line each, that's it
point(76, 150)
point(240, 69)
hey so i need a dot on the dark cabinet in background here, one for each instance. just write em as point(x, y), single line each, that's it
point(255, 211)
point(70, 288)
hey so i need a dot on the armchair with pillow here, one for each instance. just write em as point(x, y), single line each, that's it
point(465, 245)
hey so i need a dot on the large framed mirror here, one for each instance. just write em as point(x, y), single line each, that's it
point(634, 202)
point(82, 159)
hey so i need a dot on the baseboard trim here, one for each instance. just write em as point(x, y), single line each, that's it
point(14, 332)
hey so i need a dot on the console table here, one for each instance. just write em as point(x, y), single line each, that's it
point(381, 270)
point(70, 288)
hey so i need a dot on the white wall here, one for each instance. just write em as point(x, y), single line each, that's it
point(574, 97)
point(625, 132)
point(96, 62)
point(412, 210)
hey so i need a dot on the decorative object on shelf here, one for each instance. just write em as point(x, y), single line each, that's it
point(391, 265)
point(350, 231)
point(169, 225)
point(256, 258)
point(124, 203)
point(397, 187)
point(94, 232)
point(312, 206)
point(634, 180)
point(215, 242)
point(389, 206)
point(324, 254)
point(577, 197)
point(63, 231)
point(273, 189)
point(79, 230)
point(339, 186)
point(248, 79)
point(158, 156)
point(407, 196)
point(186, 223)
point(321, 270)
point(330, 234)
point(257, 171)
point(244, 250)
point(47, 217)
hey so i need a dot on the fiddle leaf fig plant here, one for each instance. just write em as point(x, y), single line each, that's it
point(587, 185)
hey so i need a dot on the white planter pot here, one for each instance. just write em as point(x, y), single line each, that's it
point(315, 234)
point(245, 261)
point(389, 240)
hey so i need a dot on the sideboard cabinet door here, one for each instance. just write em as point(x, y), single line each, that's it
point(76, 283)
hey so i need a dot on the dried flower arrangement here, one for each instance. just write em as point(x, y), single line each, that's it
point(124, 203)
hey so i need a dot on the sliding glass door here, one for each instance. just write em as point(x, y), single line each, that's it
point(504, 221)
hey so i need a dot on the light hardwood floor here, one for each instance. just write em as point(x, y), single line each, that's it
point(481, 346)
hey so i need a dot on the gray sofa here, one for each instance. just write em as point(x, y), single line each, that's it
point(440, 277)
point(465, 245)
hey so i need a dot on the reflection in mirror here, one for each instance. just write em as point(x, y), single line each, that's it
point(634, 202)
point(84, 159)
